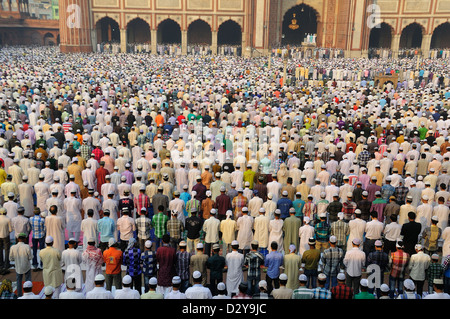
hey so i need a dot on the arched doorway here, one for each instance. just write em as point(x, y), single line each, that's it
point(381, 37)
point(229, 33)
point(169, 32)
point(411, 36)
point(108, 30)
point(49, 39)
point(229, 38)
point(138, 31)
point(199, 32)
point(36, 39)
point(380, 40)
point(297, 23)
point(441, 37)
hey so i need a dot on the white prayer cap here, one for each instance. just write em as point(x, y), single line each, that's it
point(306, 219)
point(221, 286)
point(99, 277)
point(341, 276)
point(27, 284)
point(364, 282)
point(111, 242)
point(302, 277)
point(153, 281)
point(48, 290)
point(409, 284)
point(384, 288)
point(126, 280)
point(48, 239)
point(234, 243)
point(148, 244)
point(283, 276)
point(200, 246)
point(197, 274)
point(176, 280)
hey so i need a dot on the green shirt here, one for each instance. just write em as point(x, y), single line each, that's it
point(364, 295)
point(311, 258)
point(249, 176)
point(159, 223)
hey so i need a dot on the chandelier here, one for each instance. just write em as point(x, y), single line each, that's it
point(294, 25)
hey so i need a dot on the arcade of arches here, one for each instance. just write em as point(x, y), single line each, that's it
point(168, 32)
point(411, 37)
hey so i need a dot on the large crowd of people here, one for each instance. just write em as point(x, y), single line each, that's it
point(138, 176)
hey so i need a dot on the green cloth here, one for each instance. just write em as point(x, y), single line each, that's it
point(364, 295)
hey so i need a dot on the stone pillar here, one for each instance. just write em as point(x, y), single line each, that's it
point(426, 43)
point(184, 42)
point(395, 44)
point(154, 40)
point(74, 26)
point(214, 42)
point(244, 45)
point(123, 40)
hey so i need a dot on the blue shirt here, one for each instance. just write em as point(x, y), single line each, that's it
point(283, 205)
point(273, 262)
point(37, 226)
point(106, 227)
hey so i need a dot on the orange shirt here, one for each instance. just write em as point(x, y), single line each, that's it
point(159, 119)
point(113, 260)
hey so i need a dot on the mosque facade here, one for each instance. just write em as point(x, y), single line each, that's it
point(256, 27)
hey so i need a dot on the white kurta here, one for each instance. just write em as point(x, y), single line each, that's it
point(305, 232)
point(276, 233)
point(42, 194)
point(89, 229)
point(94, 204)
point(26, 192)
point(245, 235)
point(71, 257)
point(58, 203)
point(55, 226)
point(356, 228)
point(73, 206)
point(446, 245)
point(235, 276)
point(441, 211)
point(261, 227)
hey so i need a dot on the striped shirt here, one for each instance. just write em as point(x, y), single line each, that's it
point(303, 293)
point(182, 264)
point(37, 226)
